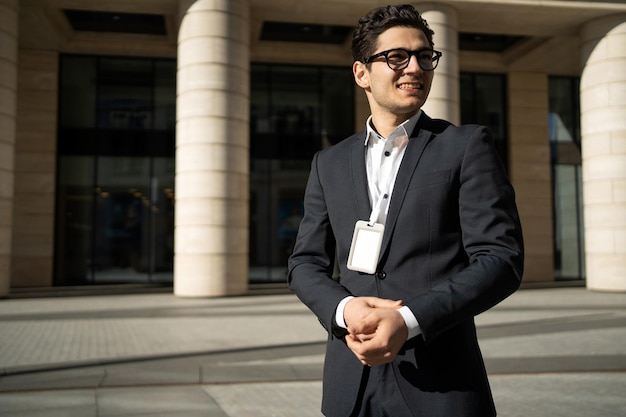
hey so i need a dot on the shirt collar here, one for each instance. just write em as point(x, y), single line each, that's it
point(405, 128)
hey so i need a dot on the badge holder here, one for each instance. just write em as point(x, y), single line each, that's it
point(365, 248)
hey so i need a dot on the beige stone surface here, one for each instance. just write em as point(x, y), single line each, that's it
point(603, 125)
point(212, 164)
point(35, 169)
point(530, 170)
point(8, 106)
point(443, 101)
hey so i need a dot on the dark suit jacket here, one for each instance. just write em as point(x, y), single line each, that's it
point(452, 248)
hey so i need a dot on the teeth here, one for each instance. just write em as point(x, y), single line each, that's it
point(407, 85)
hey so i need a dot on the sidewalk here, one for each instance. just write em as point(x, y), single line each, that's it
point(549, 352)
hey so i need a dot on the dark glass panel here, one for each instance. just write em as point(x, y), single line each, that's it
point(165, 95)
point(337, 105)
point(487, 42)
point(74, 224)
point(78, 91)
point(99, 21)
point(122, 226)
point(116, 170)
point(295, 111)
point(564, 137)
point(483, 101)
point(125, 94)
point(305, 32)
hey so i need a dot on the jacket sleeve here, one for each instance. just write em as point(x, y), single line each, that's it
point(312, 261)
point(492, 240)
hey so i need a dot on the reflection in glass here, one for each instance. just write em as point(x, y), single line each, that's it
point(294, 112)
point(565, 152)
point(568, 222)
point(75, 200)
point(134, 220)
point(483, 102)
point(78, 92)
point(122, 219)
point(121, 229)
point(115, 200)
point(125, 94)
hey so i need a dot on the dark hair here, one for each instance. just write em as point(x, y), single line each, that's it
point(378, 20)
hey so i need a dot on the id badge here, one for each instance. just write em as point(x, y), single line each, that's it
point(365, 247)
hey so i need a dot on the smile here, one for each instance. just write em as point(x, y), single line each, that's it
point(410, 86)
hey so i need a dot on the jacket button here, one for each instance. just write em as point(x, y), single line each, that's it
point(381, 275)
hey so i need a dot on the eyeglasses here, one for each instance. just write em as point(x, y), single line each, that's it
point(398, 59)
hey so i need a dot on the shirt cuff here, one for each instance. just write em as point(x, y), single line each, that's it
point(341, 322)
point(411, 322)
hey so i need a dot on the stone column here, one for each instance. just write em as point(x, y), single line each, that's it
point(32, 261)
point(212, 149)
point(8, 107)
point(443, 101)
point(603, 129)
point(530, 170)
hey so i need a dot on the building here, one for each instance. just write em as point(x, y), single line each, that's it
point(112, 111)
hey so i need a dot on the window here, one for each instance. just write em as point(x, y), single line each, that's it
point(483, 101)
point(295, 111)
point(564, 124)
point(115, 183)
point(115, 192)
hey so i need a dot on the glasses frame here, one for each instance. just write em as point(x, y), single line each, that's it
point(435, 58)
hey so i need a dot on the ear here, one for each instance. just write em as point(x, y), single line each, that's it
point(361, 75)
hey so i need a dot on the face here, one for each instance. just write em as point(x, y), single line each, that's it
point(395, 95)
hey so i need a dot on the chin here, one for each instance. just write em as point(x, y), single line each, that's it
point(413, 108)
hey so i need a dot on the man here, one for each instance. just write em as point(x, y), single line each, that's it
point(421, 220)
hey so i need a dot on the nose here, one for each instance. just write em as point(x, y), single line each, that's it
point(413, 65)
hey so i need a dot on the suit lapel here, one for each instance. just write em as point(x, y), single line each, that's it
point(359, 177)
point(413, 153)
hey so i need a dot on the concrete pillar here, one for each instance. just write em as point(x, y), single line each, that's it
point(603, 129)
point(529, 170)
point(212, 149)
point(443, 101)
point(8, 107)
point(32, 261)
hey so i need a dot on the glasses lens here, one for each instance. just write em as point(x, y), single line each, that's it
point(427, 60)
point(397, 58)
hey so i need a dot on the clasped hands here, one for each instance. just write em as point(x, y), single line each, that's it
point(376, 330)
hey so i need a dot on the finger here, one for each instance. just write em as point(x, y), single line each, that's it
point(372, 357)
point(367, 350)
point(367, 325)
point(362, 348)
point(355, 347)
point(384, 303)
point(364, 337)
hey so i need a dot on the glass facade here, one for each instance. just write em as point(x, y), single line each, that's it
point(483, 102)
point(115, 188)
point(565, 153)
point(115, 183)
point(115, 191)
point(294, 112)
